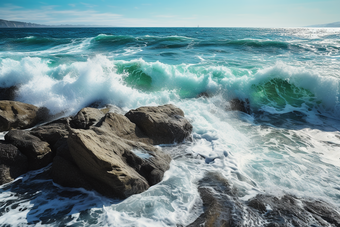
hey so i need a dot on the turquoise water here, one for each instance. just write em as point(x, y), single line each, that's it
point(289, 143)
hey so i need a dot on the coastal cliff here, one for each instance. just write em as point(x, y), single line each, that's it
point(17, 24)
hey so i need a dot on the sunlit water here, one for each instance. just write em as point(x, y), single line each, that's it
point(290, 143)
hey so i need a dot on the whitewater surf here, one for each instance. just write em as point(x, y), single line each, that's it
point(287, 144)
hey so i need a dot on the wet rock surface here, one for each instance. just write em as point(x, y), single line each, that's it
point(239, 105)
point(12, 162)
point(18, 115)
point(52, 132)
point(222, 207)
point(103, 152)
point(117, 156)
point(163, 124)
point(292, 211)
point(37, 151)
point(87, 117)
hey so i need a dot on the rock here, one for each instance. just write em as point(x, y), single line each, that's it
point(113, 153)
point(12, 163)
point(122, 127)
point(61, 149)
point(86, 117)
point(113, 109)
point(240, 105)
point(52, 132)
point(163, 124)
point(18, 115)
point(8, 93)
point(289, 210)
point(37, 151)
point(221, 204)
point(222, 207)
point(67, 174)
point(204, 94)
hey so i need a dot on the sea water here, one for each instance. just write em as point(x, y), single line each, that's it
point(288, 143)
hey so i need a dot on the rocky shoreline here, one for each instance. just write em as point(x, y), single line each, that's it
point(115, 154)
point(95, 149)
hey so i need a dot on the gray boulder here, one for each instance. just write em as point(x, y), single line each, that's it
point(37, 151)
point(163, 124)
point(12, 162)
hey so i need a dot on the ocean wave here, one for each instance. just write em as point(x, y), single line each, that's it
point(37, 40)
point(129, 83)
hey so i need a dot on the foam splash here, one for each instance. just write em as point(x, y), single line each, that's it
point(68, 87)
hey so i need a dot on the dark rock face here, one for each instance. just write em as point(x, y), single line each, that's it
point(37, 151)
point(17, 115)
point(8, 93)
point(67, 174)
point(240, 105)
point(223, 208)
point(291, 211)
point(12, 162)
point(117, 157)
point(52, 131)
point(221, 205)
point(163, 124)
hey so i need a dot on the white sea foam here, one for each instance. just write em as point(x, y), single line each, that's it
point(253, 154)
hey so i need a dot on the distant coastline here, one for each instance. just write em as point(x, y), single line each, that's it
point(19, 24)
point(329, 25)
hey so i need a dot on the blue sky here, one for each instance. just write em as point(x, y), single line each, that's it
point(174, 13)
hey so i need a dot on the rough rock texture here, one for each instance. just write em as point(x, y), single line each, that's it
point(240, 105)
point(222, 207)
point(86, 117)
point(37, 151)
point(291, 211)
point(20, 115)
point(114, 153)
point(12, 163)
point(66, 172)
point(8, 93)
point(52, 132)
point(163, 124)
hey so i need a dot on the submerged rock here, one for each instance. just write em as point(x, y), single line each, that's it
point(222, 207)
point(292, 211)
point(37, 151)
point(239, 105)
point(12, 162)
point(18, 115)
point(163, 124)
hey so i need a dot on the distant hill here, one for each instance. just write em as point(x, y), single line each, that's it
point(17, 24)
point(330, 25)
